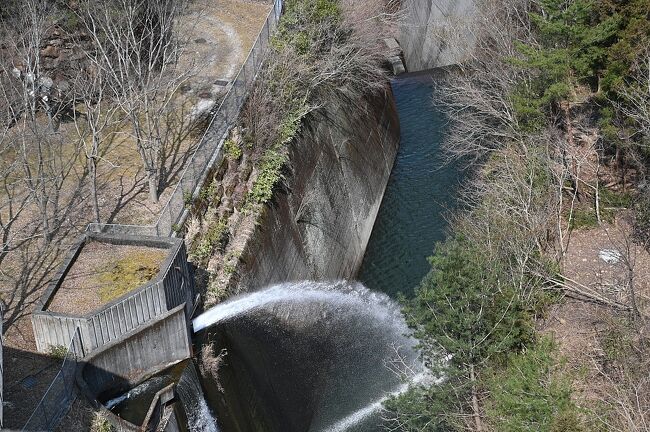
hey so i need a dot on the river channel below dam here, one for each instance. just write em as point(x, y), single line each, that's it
point(323, 356)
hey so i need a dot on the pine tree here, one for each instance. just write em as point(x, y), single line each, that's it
point(571, 49)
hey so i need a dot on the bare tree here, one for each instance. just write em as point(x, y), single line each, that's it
point(94, 125)
point(14, 201)
point(40, 150)
point(140, 48)
point(636, 98)
point(478, 94)
point(41, 181)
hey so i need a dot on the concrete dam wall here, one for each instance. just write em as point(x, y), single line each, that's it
point(435, 33)
point(319, 228)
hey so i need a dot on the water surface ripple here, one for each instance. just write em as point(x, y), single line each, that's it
point(420, 191)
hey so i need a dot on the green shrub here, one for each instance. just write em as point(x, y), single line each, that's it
point(270, 174)
point(188, 198)
point(583, 218)
point(301, 43)
point(232, 149)
point(229, 268)
point(207, 193)
point(101, 424)
point(215, 238)
point(609, 202)
point(613, 199)
point(274, 160)
point(326, 10)
point(58, 351)
point(531, 393)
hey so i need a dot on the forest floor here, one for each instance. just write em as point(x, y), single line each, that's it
point(586, 332)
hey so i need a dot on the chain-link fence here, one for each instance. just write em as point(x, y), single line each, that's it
point(210, 146)
point(61, 393)
point(56, 401)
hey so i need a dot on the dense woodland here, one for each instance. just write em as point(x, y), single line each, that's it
point(551, 111)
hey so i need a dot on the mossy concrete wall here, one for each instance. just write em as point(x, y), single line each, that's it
point(133, 357)
point(172, 286)
point(320, 226)
point(435, 33)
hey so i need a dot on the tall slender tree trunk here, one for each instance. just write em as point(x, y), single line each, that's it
point(476, 411)
point(152, 179)
point(150, 169)
point(93, 180)
point(569, 134)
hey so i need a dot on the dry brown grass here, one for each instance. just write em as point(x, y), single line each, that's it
point(104, 272)
point(121, 180)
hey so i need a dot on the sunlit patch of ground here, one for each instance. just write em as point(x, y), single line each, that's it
point(584, 329)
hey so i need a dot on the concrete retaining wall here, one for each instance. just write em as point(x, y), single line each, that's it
point(157, 408)
point(137, 355)
point(341, 164)
point(172, 286)
point(435, 33)
point(141, 353)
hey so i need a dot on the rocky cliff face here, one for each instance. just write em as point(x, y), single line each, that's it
point(434, 32)
point(319, 227)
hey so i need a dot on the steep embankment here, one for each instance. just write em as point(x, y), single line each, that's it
point(305, 170)
point(320, 228)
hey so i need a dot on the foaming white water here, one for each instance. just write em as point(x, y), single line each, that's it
point(135, 391)
point(336, 292)
point(355, 338)
point(201, 419)
point(115, 401)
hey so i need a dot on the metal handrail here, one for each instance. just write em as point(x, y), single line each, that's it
point(178, 192)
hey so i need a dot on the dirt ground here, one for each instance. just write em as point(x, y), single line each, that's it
point(579, 327)
point(27, 376)
point(87, 286)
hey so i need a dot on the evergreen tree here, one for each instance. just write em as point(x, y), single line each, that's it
point(465, 314)
point(571, 48)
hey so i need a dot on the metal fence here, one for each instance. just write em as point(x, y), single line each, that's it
point(56, 401)
point(210, 146)
point(60, 395)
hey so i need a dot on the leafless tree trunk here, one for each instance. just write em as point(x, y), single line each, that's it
point(38, 147)
point(94, 124)
point(36, 161)
point(636, 98)
point(476, 410)
point(140, 49)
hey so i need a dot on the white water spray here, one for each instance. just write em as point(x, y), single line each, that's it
point(376, 406)
point(300, 292)
point(339, 331)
